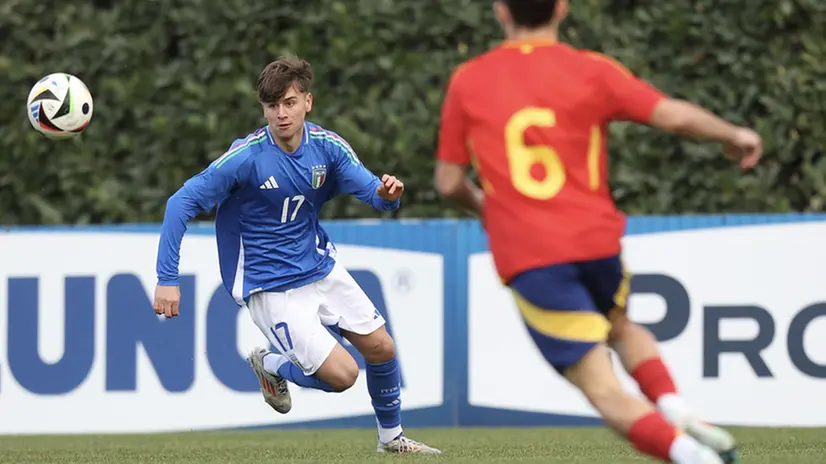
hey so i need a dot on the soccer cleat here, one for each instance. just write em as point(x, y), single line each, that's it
point(404, 445)
point(273, 387)
point(711, 436)
point(731, 456)
point(715, 438)
point(708, 456)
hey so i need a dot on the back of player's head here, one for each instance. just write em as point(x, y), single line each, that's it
point(531, 13)
point(280, 75)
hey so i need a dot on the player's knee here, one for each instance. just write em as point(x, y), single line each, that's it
point(594, 376)
point(619, 328)
point(376, 347)
point(379, 348)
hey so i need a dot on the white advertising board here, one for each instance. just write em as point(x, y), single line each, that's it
point(745, 330)
point(81, 350)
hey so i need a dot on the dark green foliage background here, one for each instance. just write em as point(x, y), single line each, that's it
point(173, 86)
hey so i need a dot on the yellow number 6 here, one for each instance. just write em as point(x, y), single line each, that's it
point(521, 158)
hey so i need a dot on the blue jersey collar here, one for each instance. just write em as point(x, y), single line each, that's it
point(305, 141)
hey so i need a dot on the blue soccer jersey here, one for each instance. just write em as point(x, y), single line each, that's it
point(267, 227)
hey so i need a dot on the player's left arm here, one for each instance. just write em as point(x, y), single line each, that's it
point(634, 99)
point(452, 156)
point(352, 177)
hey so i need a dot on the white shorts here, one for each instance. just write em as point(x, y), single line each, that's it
point(294, 320)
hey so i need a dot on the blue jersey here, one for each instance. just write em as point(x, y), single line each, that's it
point(267, 228)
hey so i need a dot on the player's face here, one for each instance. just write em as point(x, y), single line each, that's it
point(286, 117)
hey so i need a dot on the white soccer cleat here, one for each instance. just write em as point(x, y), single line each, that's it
point(273, 387)
point(716, 438)
point(404, 445)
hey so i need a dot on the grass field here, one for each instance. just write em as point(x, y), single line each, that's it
point(593, 446)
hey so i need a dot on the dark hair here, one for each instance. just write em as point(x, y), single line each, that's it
point(531, 13)
point(277, 78)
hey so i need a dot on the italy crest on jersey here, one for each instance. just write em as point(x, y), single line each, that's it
point(319, 176)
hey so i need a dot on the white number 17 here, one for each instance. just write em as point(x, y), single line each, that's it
point(285, 211)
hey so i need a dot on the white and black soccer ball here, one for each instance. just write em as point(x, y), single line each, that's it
point(60, 106)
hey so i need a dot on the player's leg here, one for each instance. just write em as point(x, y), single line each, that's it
point(307, 354)
point(632, 417)
point(571, 338)
point(609, 284)
point(336, 374)
point(347, 307)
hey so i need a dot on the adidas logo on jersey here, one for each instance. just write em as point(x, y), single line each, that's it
point(269, 184)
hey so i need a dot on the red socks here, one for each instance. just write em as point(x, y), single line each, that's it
point(654, 379)
point(653, 436)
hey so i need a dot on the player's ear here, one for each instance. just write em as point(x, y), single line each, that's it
point(503, 15)
point(309, 102)
point(561, 10)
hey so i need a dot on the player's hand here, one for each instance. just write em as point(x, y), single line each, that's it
point(390, 189)
point(167, 298)
point(747, 148)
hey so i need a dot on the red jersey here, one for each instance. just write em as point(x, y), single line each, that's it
point(532, 117)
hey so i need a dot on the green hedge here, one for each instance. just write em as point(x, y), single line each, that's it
point(173, 86)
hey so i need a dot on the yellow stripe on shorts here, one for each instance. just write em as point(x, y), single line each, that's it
point(580, 326)
point(621, 297)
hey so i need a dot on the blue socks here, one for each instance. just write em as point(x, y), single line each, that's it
point(384, 385)
point(294, 374)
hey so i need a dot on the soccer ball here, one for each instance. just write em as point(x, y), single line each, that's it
point(59, 106)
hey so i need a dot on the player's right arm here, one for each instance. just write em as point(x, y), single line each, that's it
point(632, 99)
point(200, 193)
point(452, 155)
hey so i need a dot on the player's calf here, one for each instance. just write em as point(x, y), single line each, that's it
point(383, 379)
